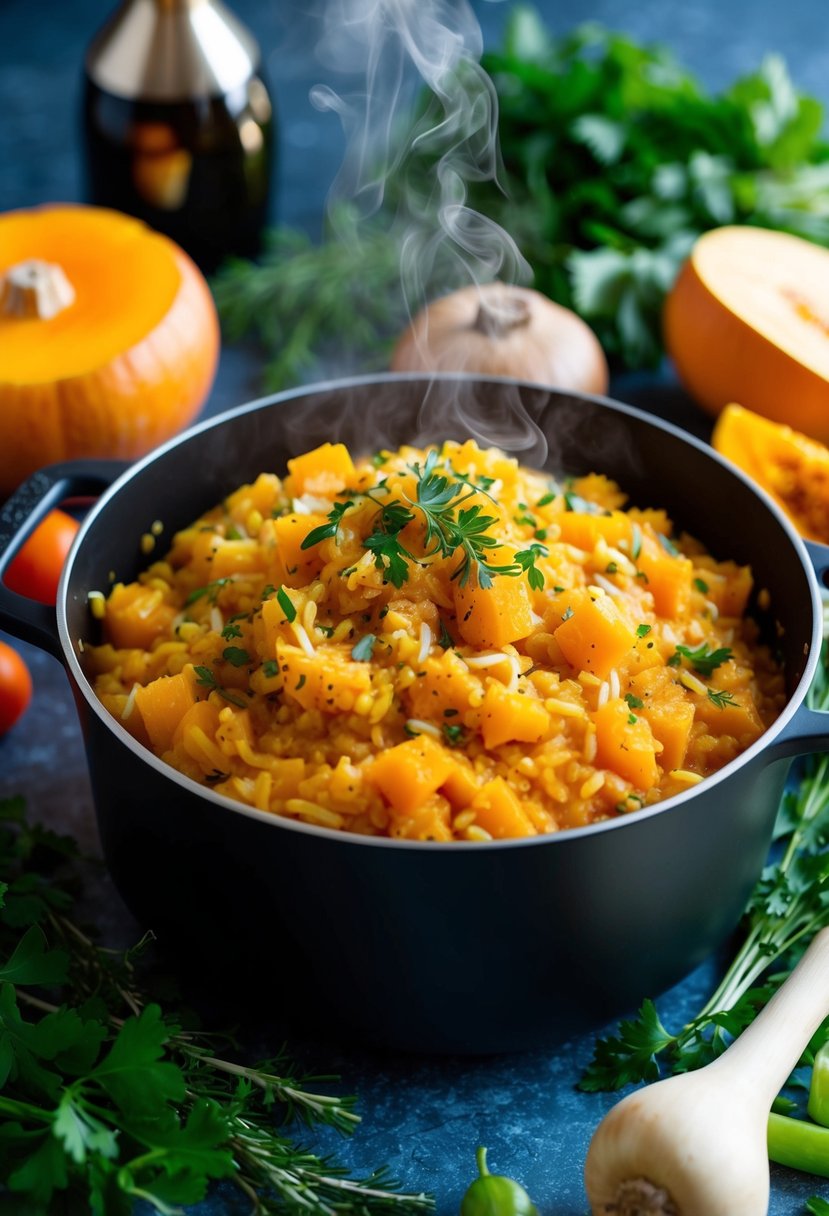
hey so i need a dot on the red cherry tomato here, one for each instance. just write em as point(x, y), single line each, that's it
point(15, 687)
point(35, 571)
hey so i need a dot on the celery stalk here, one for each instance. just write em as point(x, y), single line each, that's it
point(799, 1144)
point(819, 1087)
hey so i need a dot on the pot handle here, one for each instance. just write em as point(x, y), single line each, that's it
point(19, 516)
point(808, 730)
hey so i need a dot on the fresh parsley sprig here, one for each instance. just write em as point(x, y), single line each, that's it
point(703, 659)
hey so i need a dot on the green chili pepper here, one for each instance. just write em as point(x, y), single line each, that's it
point(494, 1195)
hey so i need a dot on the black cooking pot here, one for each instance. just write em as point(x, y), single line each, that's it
point(436, 947)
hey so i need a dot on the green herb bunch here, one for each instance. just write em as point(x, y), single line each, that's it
point(105, 1100)
point(614, 159)
point(789, 905)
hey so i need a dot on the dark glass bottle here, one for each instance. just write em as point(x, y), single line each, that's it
point(178, 125)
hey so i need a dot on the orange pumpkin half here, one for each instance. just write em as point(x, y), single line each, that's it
point(109, 338)
point(748, 320)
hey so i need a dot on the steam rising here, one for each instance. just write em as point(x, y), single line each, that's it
point(397, 47)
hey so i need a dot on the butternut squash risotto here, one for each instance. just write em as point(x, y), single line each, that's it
point(436, 645)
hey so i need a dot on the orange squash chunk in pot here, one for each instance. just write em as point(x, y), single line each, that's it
point(494, 616)
point(626, 747)
point(410, 773)
point(507, 716)
point(668, 712)
point(325, 470)
point(162, 706)
point(595, 636)
point(499, 812)
point(136, 615)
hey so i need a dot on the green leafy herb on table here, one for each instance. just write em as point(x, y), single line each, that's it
point(788, 906)
point(614, 160)
point(105, 1100)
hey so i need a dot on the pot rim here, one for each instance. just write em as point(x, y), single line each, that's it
point(764, 743)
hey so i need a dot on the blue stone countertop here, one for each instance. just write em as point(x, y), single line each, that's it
point(423, 1117)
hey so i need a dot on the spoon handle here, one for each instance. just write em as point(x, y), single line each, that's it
point(767, 1050)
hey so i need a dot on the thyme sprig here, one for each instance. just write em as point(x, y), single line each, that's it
point(106, 1100)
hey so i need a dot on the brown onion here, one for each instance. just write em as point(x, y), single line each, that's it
point(500, 330)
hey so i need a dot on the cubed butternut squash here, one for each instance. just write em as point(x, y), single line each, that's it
point(328, 680)
point(136, 615)
point(493, 616)
point(325, 470)
point(461, 786)
point(594, 636)
point(508, 716)
point(668, 578)
point(624, 745)
point(499, 812)
point(668, 710)
point(429, 821)
point(236, 557)
point(162, 705)
point(268, 626)
point(410, 773)
point(729, 587)
point(259, 496)
point(738, 718)
point(297, 566)
point(446, 684)
point(203, 715)
point(585, 530)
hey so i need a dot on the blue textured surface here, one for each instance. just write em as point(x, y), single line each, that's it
point(423, 1117)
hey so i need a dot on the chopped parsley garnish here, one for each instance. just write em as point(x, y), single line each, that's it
point(525, 519)
point(642, 631)
point(454, 734)
point(271, 668)
point(545, 500)
point(231, 630)
point(632, 719)
point(211, 590)
point(703, 659)
point(286, 604)
point(634, 702)
point(300, 682)
point(207, 679)
point(236, 655)
point(324, 531)
point(526, 560)
point(701, 585)
point(232, 533)
point(364, 649)
point(611, 568)
point(445, 637)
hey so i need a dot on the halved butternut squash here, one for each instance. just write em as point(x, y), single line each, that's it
point(748, 320)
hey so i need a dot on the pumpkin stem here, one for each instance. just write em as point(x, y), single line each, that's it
point(35, 289)
point(501, 311)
